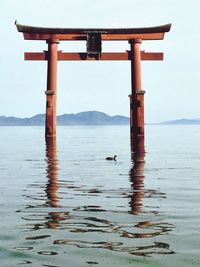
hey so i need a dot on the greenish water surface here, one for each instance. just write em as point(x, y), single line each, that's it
point(65, 205)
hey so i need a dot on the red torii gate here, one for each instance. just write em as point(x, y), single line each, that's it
point(94, 38)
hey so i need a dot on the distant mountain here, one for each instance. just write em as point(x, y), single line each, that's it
point(14, 121)
point(82, 118)
point(85, 118)
point(181, 122)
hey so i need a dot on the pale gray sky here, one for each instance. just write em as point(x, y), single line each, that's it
point(172, 86)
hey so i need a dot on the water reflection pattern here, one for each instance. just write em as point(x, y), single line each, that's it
point(82, 224)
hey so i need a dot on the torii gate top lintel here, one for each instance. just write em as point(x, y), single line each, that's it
point(76, 34)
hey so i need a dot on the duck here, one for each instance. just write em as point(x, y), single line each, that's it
point(111, 158)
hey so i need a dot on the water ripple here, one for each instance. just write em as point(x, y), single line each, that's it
point(77, 213)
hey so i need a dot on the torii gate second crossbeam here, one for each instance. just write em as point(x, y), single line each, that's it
point(94, 38)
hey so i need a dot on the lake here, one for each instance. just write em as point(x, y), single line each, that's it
point(65, 205)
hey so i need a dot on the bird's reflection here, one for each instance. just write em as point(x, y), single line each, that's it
point(137, 177)
point(52, 183)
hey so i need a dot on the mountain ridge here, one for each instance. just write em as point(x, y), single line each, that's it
point(85, 118)
point(181, 122)
point(81, 118)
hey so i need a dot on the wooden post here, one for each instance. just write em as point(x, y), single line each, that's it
point(50, 130)
point(136, 98)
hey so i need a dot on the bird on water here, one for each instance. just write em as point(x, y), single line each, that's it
point(111, 158)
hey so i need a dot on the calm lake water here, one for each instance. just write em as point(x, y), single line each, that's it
point(65, 205)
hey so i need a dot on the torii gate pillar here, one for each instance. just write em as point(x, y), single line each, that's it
point(51, 92)
point(136, 97)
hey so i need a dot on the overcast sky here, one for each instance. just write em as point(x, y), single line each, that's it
point(172, 86)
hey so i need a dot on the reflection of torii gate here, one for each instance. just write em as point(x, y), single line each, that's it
point(94, 38)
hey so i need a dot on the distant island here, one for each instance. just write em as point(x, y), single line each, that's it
point(181, 122)
point(85, 118)
point(82, 118)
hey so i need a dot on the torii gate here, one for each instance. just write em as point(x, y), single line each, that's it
point(94, 38)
